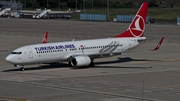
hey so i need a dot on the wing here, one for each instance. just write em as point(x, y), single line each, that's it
point(92, 56)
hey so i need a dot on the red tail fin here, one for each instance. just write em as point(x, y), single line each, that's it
point(45, 38)
point(137, 26)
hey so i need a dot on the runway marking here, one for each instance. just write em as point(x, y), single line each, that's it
point(80, 86)
point(96, 87)
point(167, 60)
point(113, 88)
point(34, 72)
point(81, 90)
point(172, 60)
point(164, 92)
point(51, 84)
point(147, 91)
point(2, 62)
point(125, 90)
point(13, 99)
point(169, 86)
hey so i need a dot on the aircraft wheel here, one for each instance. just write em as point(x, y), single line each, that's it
point(22, 68)
point(70, 64)
point(92, 64)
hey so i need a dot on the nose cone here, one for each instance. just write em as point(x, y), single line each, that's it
point(9, 58)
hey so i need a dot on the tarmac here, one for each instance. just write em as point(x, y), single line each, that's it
point(138, 75)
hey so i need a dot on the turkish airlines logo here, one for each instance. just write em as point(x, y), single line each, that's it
point(138, 26)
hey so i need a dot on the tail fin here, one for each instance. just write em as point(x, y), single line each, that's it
point(137, 26)
point(45, 38)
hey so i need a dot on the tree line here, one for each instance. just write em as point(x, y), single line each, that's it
point(80, 4)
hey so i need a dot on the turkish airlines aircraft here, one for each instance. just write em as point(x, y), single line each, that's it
point(83, 52)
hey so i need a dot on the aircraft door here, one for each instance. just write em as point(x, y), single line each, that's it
point(30, 53)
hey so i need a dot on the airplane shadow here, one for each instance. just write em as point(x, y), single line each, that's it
point(65, 65)
point(41, 67)
point(130, 67)
point(122, 60)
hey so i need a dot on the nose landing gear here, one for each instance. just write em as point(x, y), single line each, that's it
point(20, 66)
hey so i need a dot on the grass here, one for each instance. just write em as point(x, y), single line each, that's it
point(164, 14)
point(159, 14)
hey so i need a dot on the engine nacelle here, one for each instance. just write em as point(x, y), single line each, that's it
point(80, 61)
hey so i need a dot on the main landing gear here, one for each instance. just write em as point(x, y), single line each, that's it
point(92, 64)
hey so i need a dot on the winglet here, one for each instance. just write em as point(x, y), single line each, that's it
point(159, 44)
point(45, 38)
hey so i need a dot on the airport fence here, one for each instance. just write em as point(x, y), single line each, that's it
point(178, 20)
point(92, 17)
point(127, 18)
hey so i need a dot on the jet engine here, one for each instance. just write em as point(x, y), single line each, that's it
point(80, 61)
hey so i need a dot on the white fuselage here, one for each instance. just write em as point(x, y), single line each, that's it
point(63, 51)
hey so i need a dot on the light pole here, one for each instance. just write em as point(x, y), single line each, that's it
point(47, 4)
point(84, 6)
point(35, 4)
point(25, 4)
point(59, 4)
point(92, 6)
point(76, 6)
point(108, 9)
point(143, 92)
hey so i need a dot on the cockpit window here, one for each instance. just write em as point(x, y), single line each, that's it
point(16, 52)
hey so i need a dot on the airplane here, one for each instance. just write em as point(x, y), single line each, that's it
point(83, 52)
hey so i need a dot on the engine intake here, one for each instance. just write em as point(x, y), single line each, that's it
point(80, 61)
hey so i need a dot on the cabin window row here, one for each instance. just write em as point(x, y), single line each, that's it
point(100, 46)
point(50, 51)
